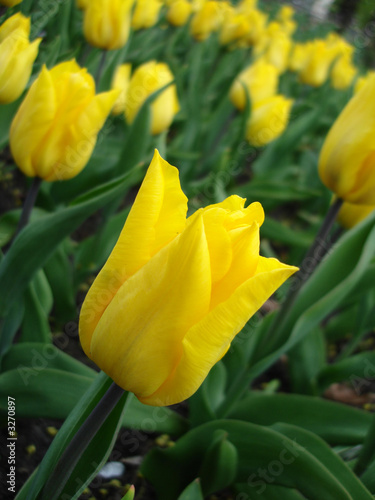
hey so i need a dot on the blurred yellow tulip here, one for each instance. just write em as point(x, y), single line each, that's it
point(362, 80)
point(207, 20)
point(343, 73)
point(320, 58)
point(17, 56)
point(10, 3)
point(146, 13)
point(107, 24)
point(298, 56)
point(347, 159)
point(275, 46)
point(120, 81)
point(268, 120)
point(175, 291)
point(260, 79)
point(54, 131)
point(179, 12)
point(234, 28)
point(350, 215)
point(257, 22)
point(146, 79)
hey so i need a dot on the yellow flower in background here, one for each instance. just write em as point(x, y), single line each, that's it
point(260, 79)
point(234, 28)
point(275, 46)
point(350, 215)
point(316, 70)
point(17, 57)
point(268, 120)
point(146, 79)
point(286, 13)
point(207, 20)
point(257, 22)
point(146, 13)
point(120, 81)
point(362, 80)
point(107, 24)
point(298, 56)
point(10, 3)
point(54, 131)
point(247, 5)
point(175, 291)
point(179, 12)
point(343, 73)
point(347, 159)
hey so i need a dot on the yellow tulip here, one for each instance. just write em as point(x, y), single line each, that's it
point(247, 5)
point(362, 80)
point(286, 13)
point(179, 12)
point(321, 56)
point(17, 56)
point(120, 81)
point(343, 73)
point(347, 159)
point(146, 13)
point(10, 3)
point(260, 79)
point(234, 28)
point(257, 21)
point(350, 215)
point(268, 120)
point(207, 20)
point(175, 291)
point(107, 24)
point(298, 57)
point(54, 131)
point(276, 46)
point(146, 79)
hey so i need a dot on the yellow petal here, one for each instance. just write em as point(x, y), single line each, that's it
point(208, 340)
point(32, 122)
point(138, 339)
point(160, 204)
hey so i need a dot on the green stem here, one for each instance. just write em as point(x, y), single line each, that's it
point(29, 204)
point(80, 441)
point(367, 453)
point(100, 69)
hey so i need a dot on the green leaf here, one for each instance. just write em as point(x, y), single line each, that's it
point(334, 422)
point(333, 464)
point(192, 492)
point(37, 242)
point(257, 447)
point(368, 477)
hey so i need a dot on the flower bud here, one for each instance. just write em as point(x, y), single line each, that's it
point(146, 79)
point(347, 159)
point(107, 24)
point(146, 13)
point(350, 215)
point(343, 73)
point(17, 57)
point(179, 12)
point(260, 79)
point(54, 131)
point(268, 120)
point(207, 20)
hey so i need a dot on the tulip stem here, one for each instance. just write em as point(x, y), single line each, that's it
point(80, 441)
point(29, 204)
point(100, 69)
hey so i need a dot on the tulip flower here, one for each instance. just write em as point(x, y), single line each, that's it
point(179, 12)
point(362, 80)
point(17, 57)
point(107, 24)
point(275, 46)
point(268, 120)
point(257, 21)
point(206, 21)
point(350, 215)
point(175, 291)
point(54, 131)
point(260, 79)
point(10, 3)
point(347, 159)
point(343, 73)
point(298, 57)
point(120, 81)
point(235, 27)
point(146, 79)
point(146, 13)
point(316, 70)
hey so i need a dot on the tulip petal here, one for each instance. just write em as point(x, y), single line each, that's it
point(207, 340)
point(32, 121)
point(150, 314)
point(160, 204)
